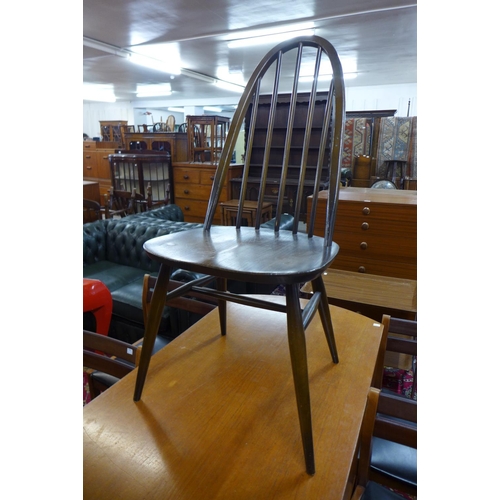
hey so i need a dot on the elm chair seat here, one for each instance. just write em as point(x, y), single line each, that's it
point(259, 254)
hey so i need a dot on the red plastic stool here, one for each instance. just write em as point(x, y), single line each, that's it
point(97, 300)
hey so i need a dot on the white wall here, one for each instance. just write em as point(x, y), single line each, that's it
point(357, 99)
point(95, 112)
point(383, 97)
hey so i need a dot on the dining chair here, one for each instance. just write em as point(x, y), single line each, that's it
point(261, 255)
point(108, 359)
point(393, 457)
point(376, 420)
point(119, 203)
point(92, 211)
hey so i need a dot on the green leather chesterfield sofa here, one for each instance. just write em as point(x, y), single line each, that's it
point(113, 253)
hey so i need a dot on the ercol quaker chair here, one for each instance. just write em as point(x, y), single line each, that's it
point(110, 359)
point(261, 255)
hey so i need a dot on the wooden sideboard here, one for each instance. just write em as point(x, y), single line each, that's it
point(192, 187)
point(376, 230)
point(96, 164)
point(176, 143)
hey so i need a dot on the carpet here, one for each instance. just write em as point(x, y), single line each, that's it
point(357, 140)
point(397, 141)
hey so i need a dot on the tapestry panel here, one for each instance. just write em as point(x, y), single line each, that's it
point(357, 140)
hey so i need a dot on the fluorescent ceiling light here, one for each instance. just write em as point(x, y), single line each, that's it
point(229, 86)
point(101, 93)
point(215, 109)
point(269, 31)
point(150, 62)
point(154, 90)
point(274, 38)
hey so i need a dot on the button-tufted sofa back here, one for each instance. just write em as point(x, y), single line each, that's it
point(121, 241)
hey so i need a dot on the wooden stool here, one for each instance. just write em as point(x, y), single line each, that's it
point(230, 209)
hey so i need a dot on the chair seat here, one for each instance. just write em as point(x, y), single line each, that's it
point(261, 256)
point(394, 460)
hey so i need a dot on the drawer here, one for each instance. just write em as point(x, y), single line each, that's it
point(207, 177)
point(397, 269)
point(90, 164)
point(194, 208)
point(186, 175)
point(379, 211)
point(89, 145)
point(103, 167)
point(192, 191)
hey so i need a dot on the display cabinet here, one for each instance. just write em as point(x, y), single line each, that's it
point(206, 137)
point(111, 130)
point(139, 170)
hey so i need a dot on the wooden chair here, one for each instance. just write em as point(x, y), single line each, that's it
point(108, 359)
point(393, 459)
point(92, 211)
point(261, 255)
point(120, 203)
point(170, 124)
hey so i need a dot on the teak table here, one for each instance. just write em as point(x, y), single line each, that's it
point(218, 416)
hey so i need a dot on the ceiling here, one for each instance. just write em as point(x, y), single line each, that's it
point(378, 36)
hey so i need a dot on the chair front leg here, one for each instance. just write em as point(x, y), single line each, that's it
point(298, 356)
point(153, 323)
point(221, 285)
point(326, 318)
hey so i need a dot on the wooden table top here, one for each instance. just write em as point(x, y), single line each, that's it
point(398, 196)
point(218, 417)
point(386, 292)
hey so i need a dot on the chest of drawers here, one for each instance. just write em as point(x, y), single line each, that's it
point(96, 164)
point(192, 187)
point(376, 230)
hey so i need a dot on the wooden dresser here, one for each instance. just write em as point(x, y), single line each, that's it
point(96, 164)
point(192, 187)
point(376, 230)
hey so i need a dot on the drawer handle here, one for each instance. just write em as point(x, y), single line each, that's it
point(186, 191)
point(361, 269)
point(186, 176)
point(366, 211)
point(212, 177)
point(88, 156)
point(365, 226)
point(186, 208)
point(88, 168)
point(363, 245)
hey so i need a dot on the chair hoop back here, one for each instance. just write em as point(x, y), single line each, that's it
point(281, 69)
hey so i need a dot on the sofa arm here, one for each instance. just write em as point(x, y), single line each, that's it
point(94, 241)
